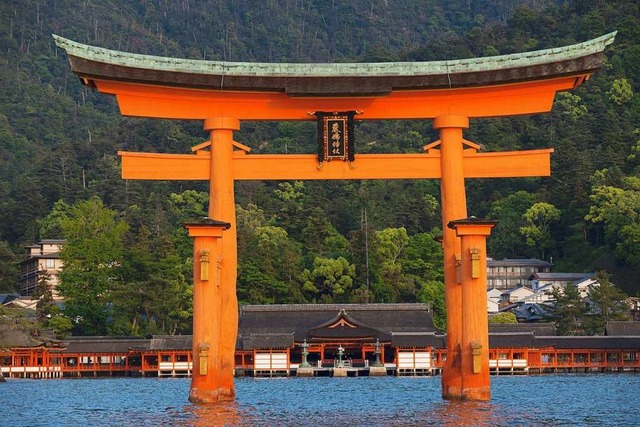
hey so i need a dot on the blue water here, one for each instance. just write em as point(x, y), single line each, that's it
point(549, 400)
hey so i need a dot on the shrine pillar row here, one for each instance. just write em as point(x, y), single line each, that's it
point(454, 206)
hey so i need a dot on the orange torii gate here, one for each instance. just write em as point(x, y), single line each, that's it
point(222, 94)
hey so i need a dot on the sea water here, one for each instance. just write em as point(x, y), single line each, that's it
point(545, 400)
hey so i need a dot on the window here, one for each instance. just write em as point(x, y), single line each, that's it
point(51, 263)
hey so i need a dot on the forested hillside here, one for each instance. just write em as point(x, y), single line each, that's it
point(307, 241)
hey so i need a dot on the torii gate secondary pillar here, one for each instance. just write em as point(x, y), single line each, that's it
point(209, 382)
point(473, 345)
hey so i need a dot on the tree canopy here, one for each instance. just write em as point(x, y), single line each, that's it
point(343, 241)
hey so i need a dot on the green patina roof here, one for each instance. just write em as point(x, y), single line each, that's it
point(502, 62)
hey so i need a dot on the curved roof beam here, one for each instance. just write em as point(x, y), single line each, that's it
point(92, 63)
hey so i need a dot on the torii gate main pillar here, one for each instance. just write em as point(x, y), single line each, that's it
point(454, 206)
point(215, 264)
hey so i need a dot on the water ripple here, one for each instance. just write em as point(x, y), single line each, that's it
point(549, 400)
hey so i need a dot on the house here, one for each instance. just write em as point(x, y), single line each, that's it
point(492, 306)
point(538, 280)
point(634, 306)
point(516, 294)
point(494, 294)
point(22, 302)
point(541, 295)
point(43, 259)
point(6, 298)
point(531, 313)
point(585, 285)
point(509, 273)
point(493, 300)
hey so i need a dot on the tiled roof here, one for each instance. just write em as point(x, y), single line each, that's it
point(104, 344)
point(622, 328)
point(582, 342)
point(511, 340)
point(303, 320)
point(170, 342)
point(518, 263)
point(264, 341)
point(568, 277)
point(537, 329)
point(417, 339)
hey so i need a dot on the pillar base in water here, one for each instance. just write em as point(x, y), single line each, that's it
point(211, 396)
point(470, 393)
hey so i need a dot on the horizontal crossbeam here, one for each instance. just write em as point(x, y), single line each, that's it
point(151, 166)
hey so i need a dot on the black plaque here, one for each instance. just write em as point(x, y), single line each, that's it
point(335, 136)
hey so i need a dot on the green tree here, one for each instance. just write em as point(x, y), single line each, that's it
point(269, 269)
point(505, 240)
point(51, 225)
point(423, 257)
point(9, 273)
point(154, 296)
point(44, 294)
point(502, 318)
point(537, 229)
point(329, 280)
point(92, 258)
point(568, 311)
point(607, 304)
point(432, 293)
point(60, 325)
point(321, 238)
point(621, 91)
point(618, 209)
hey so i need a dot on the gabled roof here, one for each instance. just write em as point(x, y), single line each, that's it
point(494, 292)
point(343, 326)
point(518, 289)
point(340, 79)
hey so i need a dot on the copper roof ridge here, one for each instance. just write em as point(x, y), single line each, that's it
point(374, 69)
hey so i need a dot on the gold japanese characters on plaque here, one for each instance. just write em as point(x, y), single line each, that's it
point(335, 136)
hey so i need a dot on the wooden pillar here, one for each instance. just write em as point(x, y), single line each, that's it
point(212, 378)
point(454, 206)
point(474, 341)
point(218, 300)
